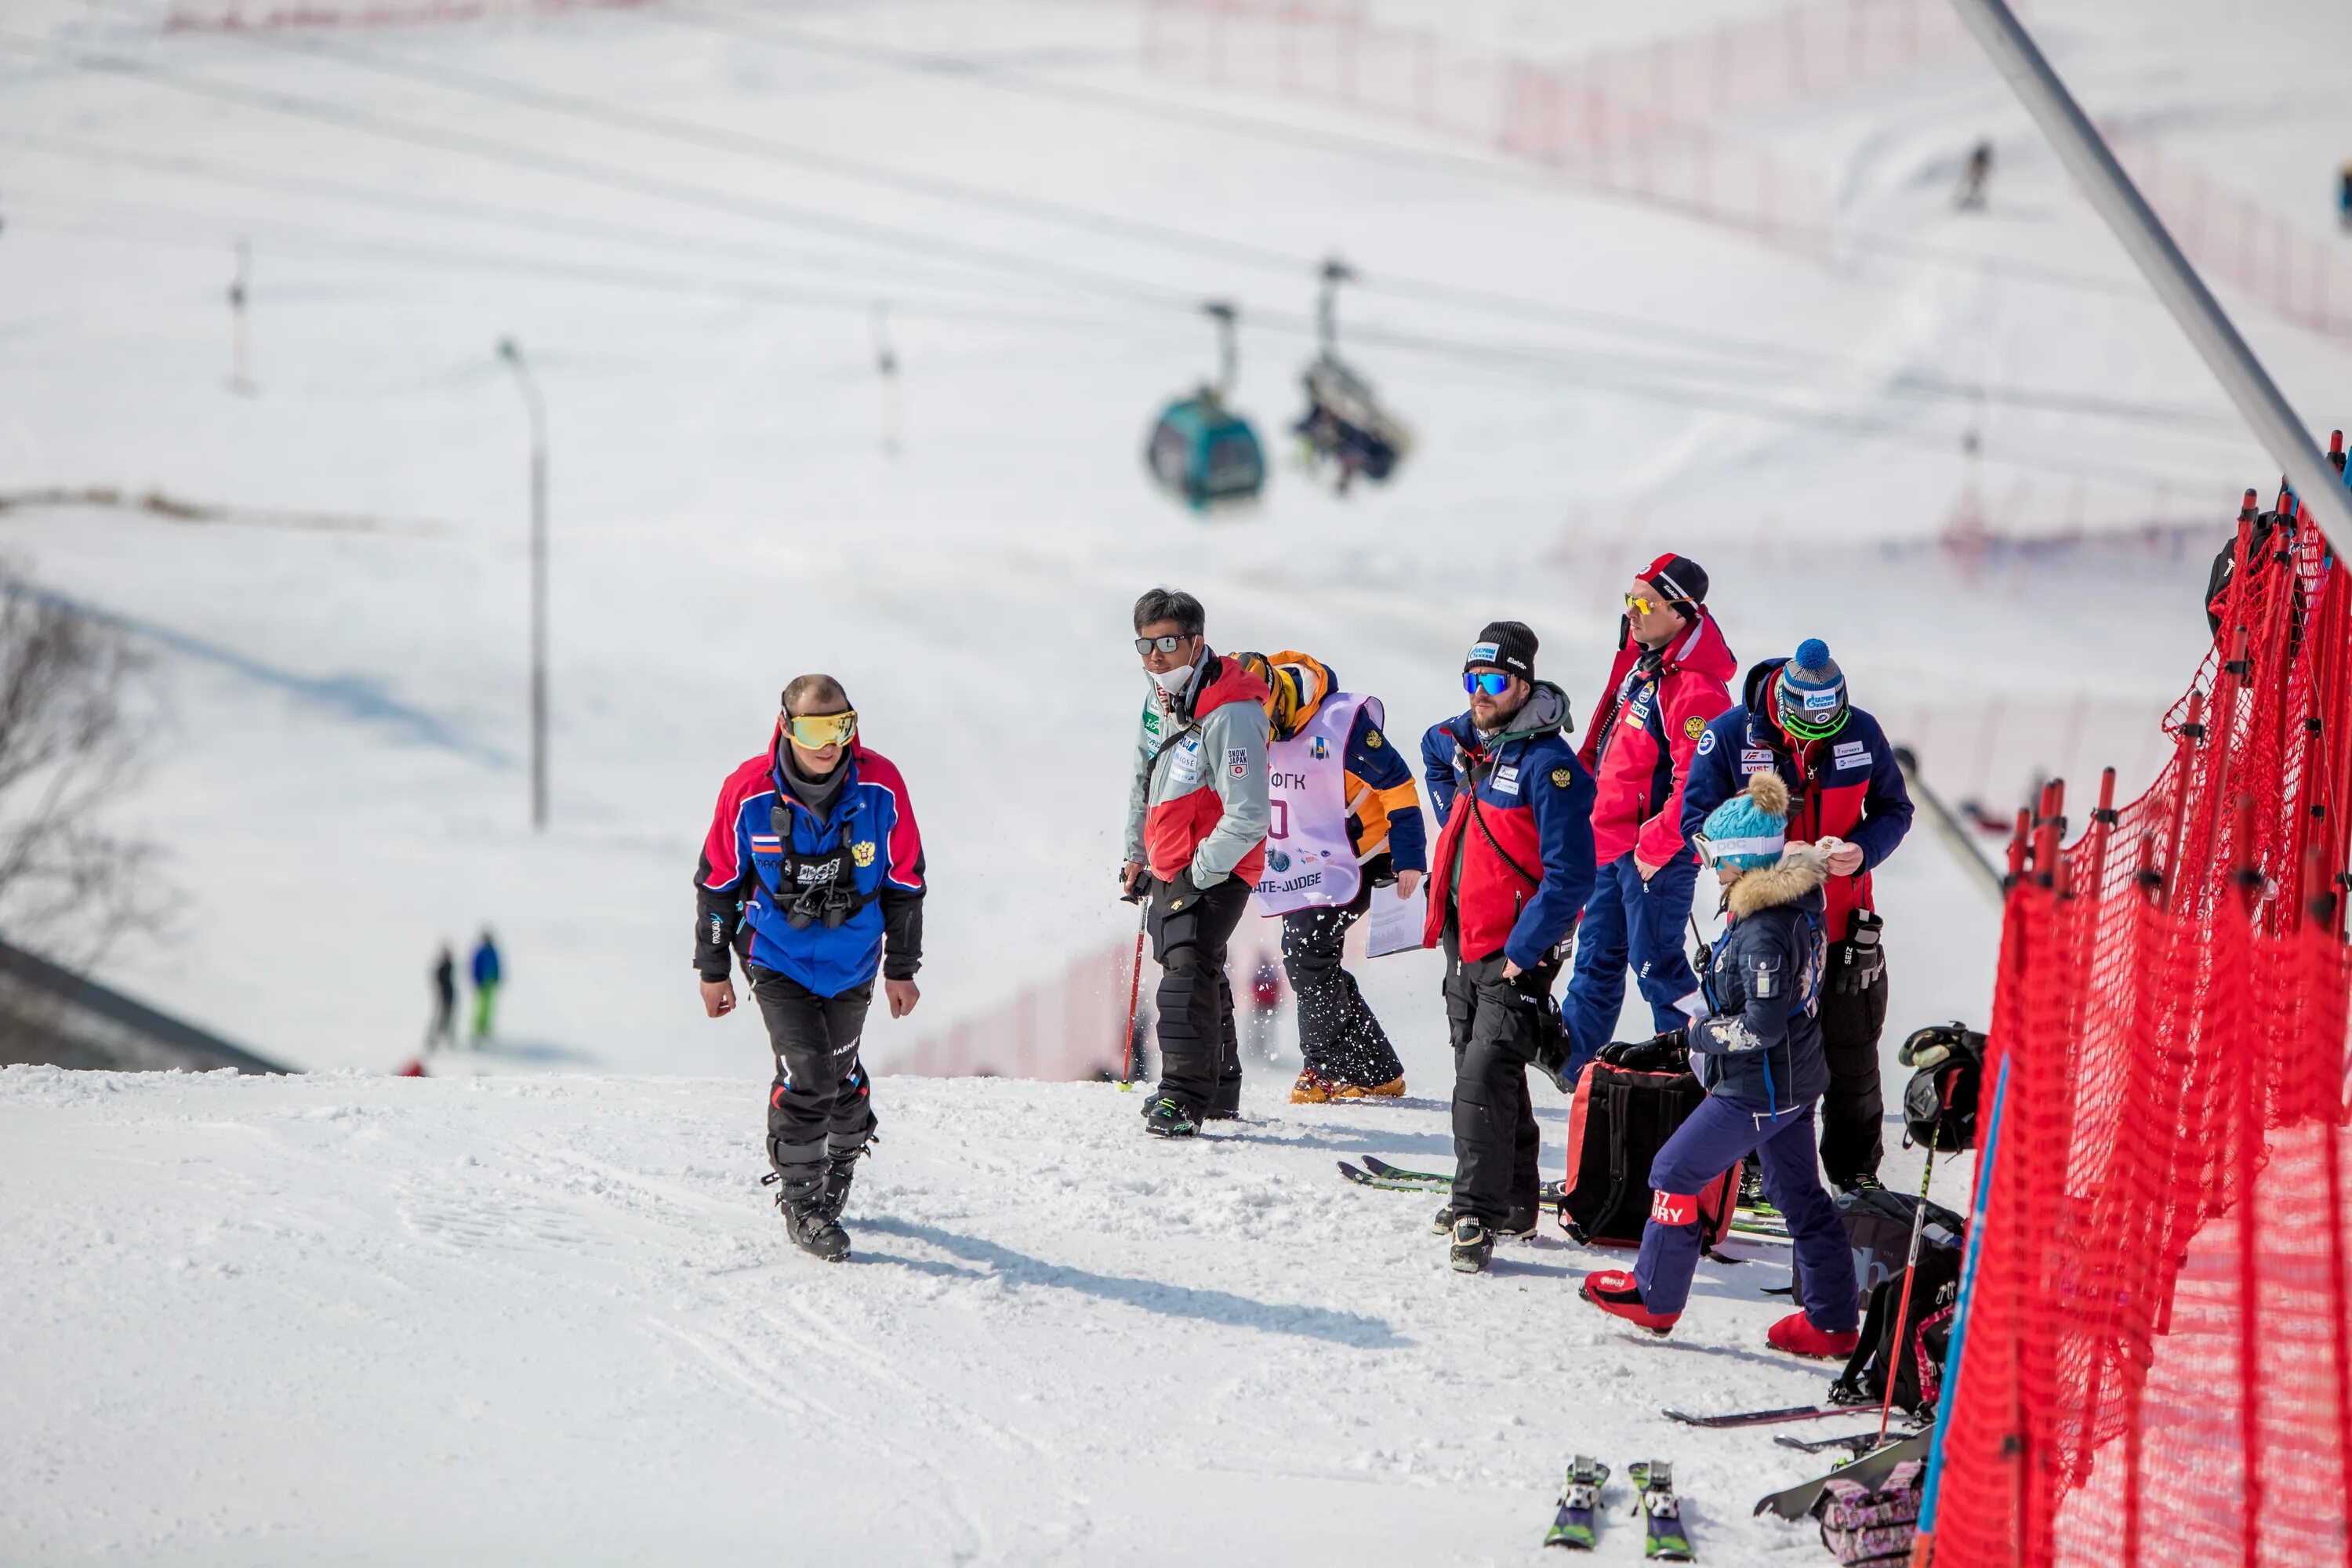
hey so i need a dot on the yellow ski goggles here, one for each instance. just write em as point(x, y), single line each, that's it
point(816, 732)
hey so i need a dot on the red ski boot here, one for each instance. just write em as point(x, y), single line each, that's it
point(1796, 1335)
point(1613, 1292)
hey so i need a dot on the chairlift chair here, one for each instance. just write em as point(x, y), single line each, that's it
point(1200, 450)
point(1344, 427)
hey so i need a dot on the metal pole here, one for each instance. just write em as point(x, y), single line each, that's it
point(512, 355)
point(2175, 283)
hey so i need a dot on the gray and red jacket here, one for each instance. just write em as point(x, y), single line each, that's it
point(1200, 804)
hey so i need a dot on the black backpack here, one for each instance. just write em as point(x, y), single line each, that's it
point(1616, 1125)
point(1939, 1104)
point(1878, 1229)
point(1916, 1365)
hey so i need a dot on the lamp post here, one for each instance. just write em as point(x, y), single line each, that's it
point(510, 353)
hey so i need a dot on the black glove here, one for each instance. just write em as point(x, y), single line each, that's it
point(1663, 1053)
point(1857, 962)
point(1932, 1045)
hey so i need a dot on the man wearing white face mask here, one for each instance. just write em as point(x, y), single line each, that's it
point(1196, 823)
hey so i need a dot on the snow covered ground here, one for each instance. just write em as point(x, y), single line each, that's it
point(551, 1320)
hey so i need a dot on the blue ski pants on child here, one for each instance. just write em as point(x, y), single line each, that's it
point(1718, 1135)
point(1627, 920)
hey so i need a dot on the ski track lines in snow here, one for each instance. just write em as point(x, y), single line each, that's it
point(554, 1320)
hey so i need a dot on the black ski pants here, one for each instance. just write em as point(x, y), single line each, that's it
point(821, 1103)
point(1200, 1052)
point(1853, 1111)
point(1496, 1024)
point(1338, 1034)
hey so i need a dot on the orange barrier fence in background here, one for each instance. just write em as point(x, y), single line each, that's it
point(1644, 121)
point(2299, 277)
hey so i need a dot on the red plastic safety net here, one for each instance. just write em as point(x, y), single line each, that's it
point(2155, 1366)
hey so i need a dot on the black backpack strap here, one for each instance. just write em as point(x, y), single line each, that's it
point(1621, 1099)
point(1478, 817)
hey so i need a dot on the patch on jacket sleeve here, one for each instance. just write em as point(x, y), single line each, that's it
point(1373, 740)
point(1237, 759)
point(1562, 777)
point(861, 852)
point(1694, 726)
point(1766, 973)
point(1734, 1033)
point(1706, 739)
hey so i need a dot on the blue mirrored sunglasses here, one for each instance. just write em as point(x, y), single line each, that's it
point(1493, 682)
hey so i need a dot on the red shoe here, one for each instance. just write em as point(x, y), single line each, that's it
point(1613, 1292)
point(1796, 1335)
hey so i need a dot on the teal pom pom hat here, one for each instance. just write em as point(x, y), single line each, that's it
point(1749, 830)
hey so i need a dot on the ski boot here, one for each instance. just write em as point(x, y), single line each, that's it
point(1314, 1088)
point(1163, 1118)
point(841, 1170)
point(1796, 1335)
point(1613, 1292)
point(1393, 1090)
point(813, 1230)
point(1519, 1225)
point(1473, 1248)
point(1225, 1103)
point(1867, 1181)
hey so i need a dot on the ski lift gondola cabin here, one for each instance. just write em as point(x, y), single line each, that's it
point(1200, 450)
point(1344, 425)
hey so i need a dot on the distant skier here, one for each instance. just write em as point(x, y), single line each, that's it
point(813, 873)
point(1512, 867)
point(1667, 683)
point(1976, 179)
point(1347, 829)
point(1845, 786)
point(1759, 1051)
point(1196, 823)
point(485, 973)
point(443, 1031)
point(2344, 197)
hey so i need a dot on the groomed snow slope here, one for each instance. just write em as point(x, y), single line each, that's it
point(551, 1320)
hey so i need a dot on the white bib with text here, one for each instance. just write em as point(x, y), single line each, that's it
point(1310, 861)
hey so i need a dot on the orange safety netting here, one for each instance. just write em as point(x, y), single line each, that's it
point(2155, 1367)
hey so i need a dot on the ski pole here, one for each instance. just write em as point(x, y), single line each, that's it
point(1706, 979)
point(1911, 1266)
point(1134, 998)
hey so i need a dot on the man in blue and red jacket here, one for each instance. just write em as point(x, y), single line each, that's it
point(1669, 680)
point(1846, 792)
point(813, 873)
point(1512, 868)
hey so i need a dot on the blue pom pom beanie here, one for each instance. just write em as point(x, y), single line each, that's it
point(1810, 692)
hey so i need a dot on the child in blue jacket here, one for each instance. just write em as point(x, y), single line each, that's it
point(1759, 1054)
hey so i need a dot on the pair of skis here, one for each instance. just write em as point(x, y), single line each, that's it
point(1376, 1173)
point(1577, 1524)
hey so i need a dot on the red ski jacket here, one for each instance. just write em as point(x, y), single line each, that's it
point(1647, 725)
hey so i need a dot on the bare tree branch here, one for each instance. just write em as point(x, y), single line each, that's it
point(68, 886)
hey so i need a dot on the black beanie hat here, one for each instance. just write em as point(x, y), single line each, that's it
point(1681, 579)
point(1508, 646)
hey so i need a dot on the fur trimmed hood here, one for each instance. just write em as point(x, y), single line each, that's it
point(1802, 870)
